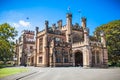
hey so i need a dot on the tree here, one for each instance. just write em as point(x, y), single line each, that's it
point(7, 35)
point(112, 33)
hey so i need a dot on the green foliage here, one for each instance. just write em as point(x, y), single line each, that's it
point(7, 35)
point(112, 34)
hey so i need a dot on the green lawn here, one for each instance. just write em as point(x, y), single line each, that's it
point(9, 71)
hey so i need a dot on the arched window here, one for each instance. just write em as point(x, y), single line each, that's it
point(95, 57)
point(66, 59)
point(58, 59)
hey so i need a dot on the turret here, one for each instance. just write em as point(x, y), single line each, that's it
point(69, 27)
point(84, 22)
point(103, 41)
point(59, 24)
point(37, 29)
point(46, 26)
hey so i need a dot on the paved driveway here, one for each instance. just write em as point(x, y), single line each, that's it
point(70, 73)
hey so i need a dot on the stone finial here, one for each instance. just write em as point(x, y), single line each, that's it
point(103, 40)
point(46, 26)
point(69, 15)
point(53, 26)
point(84, 19)
point(37, 29)
point(46, 23)
point(84, 22)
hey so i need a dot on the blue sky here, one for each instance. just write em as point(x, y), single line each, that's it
point(97, 12)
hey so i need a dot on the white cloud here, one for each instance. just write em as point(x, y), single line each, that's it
point(16, 25)
point(21, 23)
point(24, 23)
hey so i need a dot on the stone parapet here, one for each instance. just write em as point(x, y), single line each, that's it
point(78, 44)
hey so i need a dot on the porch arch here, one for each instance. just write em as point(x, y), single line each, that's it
point(78, 58)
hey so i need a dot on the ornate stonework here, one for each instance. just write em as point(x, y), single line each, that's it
point(68, 45)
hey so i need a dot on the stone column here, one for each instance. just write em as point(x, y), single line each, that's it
point(90, 57)
point(86, 57)
point(36, 45)
point(73, 59)
point(105, 58)
point(51, 60)
point(54, 60)
point(69, 57)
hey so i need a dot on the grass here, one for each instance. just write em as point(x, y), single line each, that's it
point(10, 71)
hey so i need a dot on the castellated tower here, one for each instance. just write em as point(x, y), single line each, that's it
point(25, 48)
point(69, 27)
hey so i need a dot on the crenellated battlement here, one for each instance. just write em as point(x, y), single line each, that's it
point(30, 41)
point(28, 32)
point(97, 44)
point(78, 44)
point(64, 27)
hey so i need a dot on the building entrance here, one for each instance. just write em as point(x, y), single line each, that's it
point(78, 59)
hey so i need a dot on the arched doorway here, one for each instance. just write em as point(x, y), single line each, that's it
point(78, 59)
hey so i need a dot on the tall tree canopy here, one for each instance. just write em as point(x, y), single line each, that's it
point(7, 35)
point(112, 34)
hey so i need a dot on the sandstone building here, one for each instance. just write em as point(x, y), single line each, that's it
point(68, 45)
point(25, 48)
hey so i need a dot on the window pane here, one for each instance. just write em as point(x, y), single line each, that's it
point(40, 59)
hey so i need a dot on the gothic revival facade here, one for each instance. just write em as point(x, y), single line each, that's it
point(68, 45)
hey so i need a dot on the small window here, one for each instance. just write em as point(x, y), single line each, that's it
point(31, 47)
point(40, 59)
point(66, 60)
point(58, 60)
point(57, 39)
point(58, 52)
